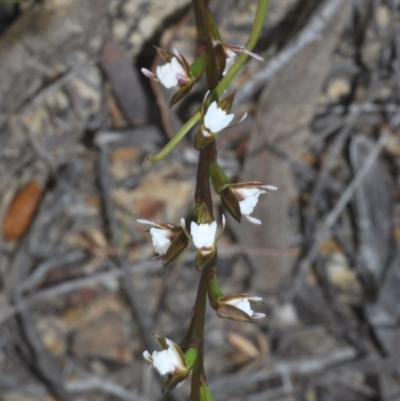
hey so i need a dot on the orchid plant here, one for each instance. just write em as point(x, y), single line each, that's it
point(219, 62)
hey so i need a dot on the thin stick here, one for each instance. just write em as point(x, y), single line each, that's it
point(332, 217)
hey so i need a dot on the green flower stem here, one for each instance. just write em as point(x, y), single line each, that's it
point(197, 330)
point(223, 84)
point(203, 190)
point(204, 36)
point(167, 149)
point(203, 194)
point(254, 35)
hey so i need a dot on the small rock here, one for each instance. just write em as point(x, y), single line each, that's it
point(393, 145)
point(285, 316)
point(147, 25)
point(383, 16)
point(120, 30)
point(339, 272)
point(131, 8)
point(53, 334)
point(337, 88)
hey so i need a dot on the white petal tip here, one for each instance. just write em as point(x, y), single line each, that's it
point(147, 356)
point(258, 315)
point(243, 118)
point(148, 74)
point(270, 187)
point(143, 221)
point(252, 220)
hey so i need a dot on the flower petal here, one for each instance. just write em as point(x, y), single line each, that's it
point(169, 74)
point(252, 220)
point(203, 235)
point(216, 119)
point(161, 240)
point(242, 304)
point(149, 74)
point(147, 356)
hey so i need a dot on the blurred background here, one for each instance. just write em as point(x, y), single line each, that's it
point(79, 293)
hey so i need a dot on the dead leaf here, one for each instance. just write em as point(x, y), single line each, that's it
point(125, 154)
point(20, 213)
point(243, 345)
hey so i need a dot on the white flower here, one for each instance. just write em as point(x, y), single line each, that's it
point(230, 59)
point(231, 54)
point(170, 360)
point(203, 235)
point(161, 240)
point(248, 198)
point(162, 234)
point(171, 73)
point(243, 302)
point(216, 119)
